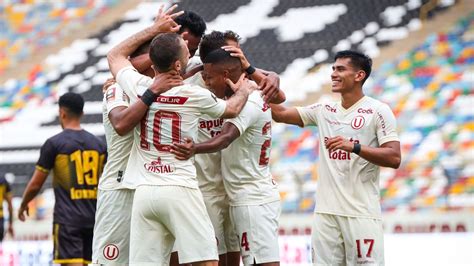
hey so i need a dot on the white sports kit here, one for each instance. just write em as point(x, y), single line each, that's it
point(254, 197)
point(111, 239)
point(348, 213)
point(211, 184)
point(167, 188)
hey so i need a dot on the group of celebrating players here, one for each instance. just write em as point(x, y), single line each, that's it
point(187, 178)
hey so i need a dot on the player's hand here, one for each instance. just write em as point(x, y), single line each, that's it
point(165, 81)
point(21, 213)
point(242, 84)
point(107, 84)
point(237, 52)
point(270, 86)
point(164, 21)
point(183, 151)
point(11, 231)
point(339, 143)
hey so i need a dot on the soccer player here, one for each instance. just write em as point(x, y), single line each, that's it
point(6, 194)
point(359, 136)
point(77, 158)
point(245, 142)
point(114, 204)
point(168, 205)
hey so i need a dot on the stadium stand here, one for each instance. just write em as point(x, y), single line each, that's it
point(28, 115)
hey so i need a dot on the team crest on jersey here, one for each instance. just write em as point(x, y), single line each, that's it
point(111, 252)
point(158, 167)
point(358, 122)
point(110, 96)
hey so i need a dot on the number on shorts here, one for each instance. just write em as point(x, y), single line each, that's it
point(369, 252)
point(244, 243)
point(264, 156)
point(158, 119)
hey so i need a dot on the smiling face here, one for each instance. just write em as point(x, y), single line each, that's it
point(345, 77)
point(215, 79)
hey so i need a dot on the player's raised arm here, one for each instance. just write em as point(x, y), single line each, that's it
point(287, 115)
point(118, 56)
point(237, 101)
point(124, 119)
point(269, 82)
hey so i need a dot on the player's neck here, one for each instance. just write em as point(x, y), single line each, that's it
point(348, 99)
point(72, 124)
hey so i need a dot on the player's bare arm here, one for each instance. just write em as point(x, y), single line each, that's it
point(269, 82)
point(8, 198)
point(124, 119)
point(387, 155)
point(184, 151)
point(118, 56)
point(32, 189)
point(287, 115)
point(236, 102)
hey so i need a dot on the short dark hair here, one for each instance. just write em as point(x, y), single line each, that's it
point(73, 102)
point(358, 60)
point(215, 40)
point(221, 57)
point(191, 21)
point(164, 50)
point(144, 48)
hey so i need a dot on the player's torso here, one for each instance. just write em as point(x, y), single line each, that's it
point(118, 151)
point(3, 192)
point(346, 178)
point(77, 168)
point(245, 163)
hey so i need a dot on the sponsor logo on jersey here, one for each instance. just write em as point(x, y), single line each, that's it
point(208, 124)
point(340, 154)
point(111, 252)
point(330, 108)
point(365, 111)
point(158, 167)
point(331, 122)
point(265, 107)
point(382, 123)
point(172, 99)
point(358, 122)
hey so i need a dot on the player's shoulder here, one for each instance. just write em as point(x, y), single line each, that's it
point(375, 104)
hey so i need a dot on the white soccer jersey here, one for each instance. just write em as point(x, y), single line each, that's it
point(118, 147)
point(170, 119)
point(348, 185)
point(208, 165)
point(247, 176)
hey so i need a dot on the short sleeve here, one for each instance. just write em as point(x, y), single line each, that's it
point(309, 114)
point(114, 97)
point(133, 83)
point(47, 157)
point(246, 117)
point(386, 125)
point(210, 104)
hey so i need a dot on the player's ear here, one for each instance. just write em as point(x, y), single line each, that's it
point(360, 75)
point(154, 70)
point(177, 66)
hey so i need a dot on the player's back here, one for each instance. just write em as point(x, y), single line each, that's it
point(78, 158)
point(245, 163)
point(171, 118)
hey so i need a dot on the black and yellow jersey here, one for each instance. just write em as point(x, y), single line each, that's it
point(77, 158)
point(4, 190)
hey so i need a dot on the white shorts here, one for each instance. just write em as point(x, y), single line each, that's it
point(341, 240)
point(257, 228)
point(218, 209)
point(111, 241)
point(163, 216)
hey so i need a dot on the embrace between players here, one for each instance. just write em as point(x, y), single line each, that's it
point(187, 177)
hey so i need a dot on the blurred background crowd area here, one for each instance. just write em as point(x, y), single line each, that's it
point(424, 69)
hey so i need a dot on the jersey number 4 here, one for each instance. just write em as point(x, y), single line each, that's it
point(159, 120)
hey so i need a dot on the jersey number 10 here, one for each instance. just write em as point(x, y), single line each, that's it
point(159, 118)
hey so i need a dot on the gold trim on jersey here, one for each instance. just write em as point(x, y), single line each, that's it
point(56, 240)
point(74, 260)
point(41, 169)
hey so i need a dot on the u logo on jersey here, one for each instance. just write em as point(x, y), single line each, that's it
point(358, 122)
point(111, 252)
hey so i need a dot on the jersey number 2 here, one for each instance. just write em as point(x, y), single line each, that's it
point(159, 118)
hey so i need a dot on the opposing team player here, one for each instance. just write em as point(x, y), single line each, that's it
point(254, 197)
point(359, 136)
point(114, 203)
point(77, 158)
